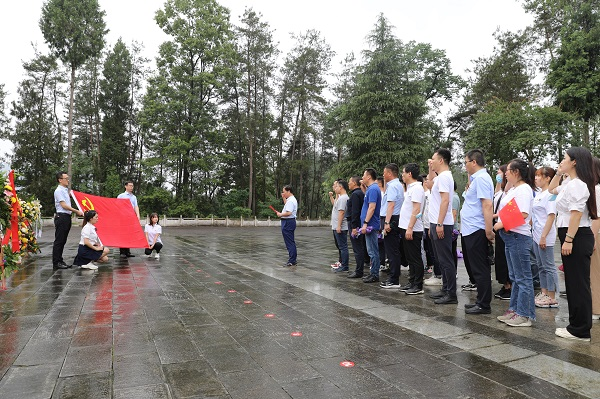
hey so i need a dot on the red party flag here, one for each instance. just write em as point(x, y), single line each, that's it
point(118, 225)
point(273, 209)
point(511, 215)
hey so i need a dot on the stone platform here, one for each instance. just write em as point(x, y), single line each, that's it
point(218, 316)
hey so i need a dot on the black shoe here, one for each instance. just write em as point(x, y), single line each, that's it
point(506, 295)
point(406, 287)
point(389, 284)
point(500, 293)
point(563, 294)
point(437, 295)
point(478, 310)
point(61, 265)
point(341, 269)
point(354, 275)
point(470, 305)
point(130, 255)
point(65, 265)
point(446, 300)
point(414, 290)
point(371, 279)
point(123, 255)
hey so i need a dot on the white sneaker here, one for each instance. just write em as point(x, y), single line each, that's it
point(563, 333)
point(596, 317)
point(150, 256)
point(90, 266)
point(518, 321)
point(157, 256)
point(433, 280)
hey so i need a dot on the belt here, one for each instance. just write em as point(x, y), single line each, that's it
point(62, 214)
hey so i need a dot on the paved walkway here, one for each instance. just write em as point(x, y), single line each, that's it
point(216, 316)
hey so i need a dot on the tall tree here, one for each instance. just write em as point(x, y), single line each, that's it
point(397, 93)
point(74, 30)
point(37, 154)
point(181, 104)
point(301, 102)
point(574, 75)
point(4, 117)
point(115, 103)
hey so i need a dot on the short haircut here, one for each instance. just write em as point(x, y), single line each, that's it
point(59, 175)
point(343, 183)
point(381, 180)
point(356, 180)
point(477, 156)
point(392, 167)
point(444, 153)
point(288, 187)
point(371, 172)
point(128, 182)
point(412, 169)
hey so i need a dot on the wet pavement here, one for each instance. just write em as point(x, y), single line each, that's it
point(218, 316)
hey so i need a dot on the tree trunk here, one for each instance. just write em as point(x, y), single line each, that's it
point(70, 128)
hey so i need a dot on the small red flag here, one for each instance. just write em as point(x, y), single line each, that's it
point(118, 225)
point(273, 209)
point(511, 215)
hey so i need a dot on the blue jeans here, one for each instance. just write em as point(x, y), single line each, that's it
point(342, 242)
point(548, 270)
point(288, 226)
point(517, 247)
point(373, 251)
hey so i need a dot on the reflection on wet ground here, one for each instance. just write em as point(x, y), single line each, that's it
point(218, 316)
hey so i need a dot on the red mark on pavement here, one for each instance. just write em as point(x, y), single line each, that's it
point(269, 315)
point(218, 282)
point(247, 302)
point(347, 363)
point(231, 291)
point(296, 334)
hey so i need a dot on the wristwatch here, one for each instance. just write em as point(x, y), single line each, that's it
point(439, 224)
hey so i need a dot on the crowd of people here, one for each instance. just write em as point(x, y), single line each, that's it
point(405, 218)
point(91, 250)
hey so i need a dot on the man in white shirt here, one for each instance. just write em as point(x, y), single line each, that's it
point(288, 223)
point(442, 223)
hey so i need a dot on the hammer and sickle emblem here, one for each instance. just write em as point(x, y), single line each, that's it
point(87, 204)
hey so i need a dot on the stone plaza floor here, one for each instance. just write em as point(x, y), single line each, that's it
point(218, 316)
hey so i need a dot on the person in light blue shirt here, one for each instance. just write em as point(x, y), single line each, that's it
point(395, 198)
point(476, 227)
point(62, 220)
point(128, 194)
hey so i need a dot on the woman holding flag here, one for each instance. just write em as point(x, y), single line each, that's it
point(513, 226)
point(576, 208)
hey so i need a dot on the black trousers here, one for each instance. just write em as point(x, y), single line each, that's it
point(475, 247)
point(157, 247)
point(466, 260)
point(62, 226)
point(443, 252)
point(392, 249)
point(337, 246)
point(577, 281)
point(359, 249)
point(500, 263)
point(412, 249)
point(428, 246)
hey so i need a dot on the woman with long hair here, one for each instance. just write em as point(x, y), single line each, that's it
point(576, 207)
point(518, 241)
point(90, 248)
point(153, 231)
point(500, 264)
point(544, 236)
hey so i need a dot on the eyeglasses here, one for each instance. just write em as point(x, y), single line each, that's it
point(63, 178)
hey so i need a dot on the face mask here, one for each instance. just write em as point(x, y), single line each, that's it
point(499, 178)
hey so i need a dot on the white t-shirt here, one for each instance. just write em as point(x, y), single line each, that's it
point(153, 231)
point(572, 196)
point(339, 205)
point(291, 205)
point(443, 183)
point(543, 205)
point(414, 193)
point(383, 207)
point(523, 195)
point(425, 209)
point(89, 231)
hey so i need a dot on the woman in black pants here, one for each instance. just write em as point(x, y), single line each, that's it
point(576, 206)
point(500, 263)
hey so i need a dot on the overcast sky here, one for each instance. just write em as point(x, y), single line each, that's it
point(463, 28)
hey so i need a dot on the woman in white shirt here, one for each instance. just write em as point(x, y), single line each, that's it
point(500, 263)
point(575, 210)
point(544, 236)
point(153, 231)
point(90, 247)
point(517, 241)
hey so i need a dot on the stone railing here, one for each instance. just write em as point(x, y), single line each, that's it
point(226, 222)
